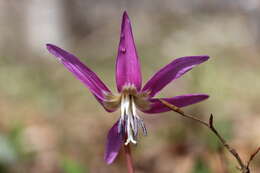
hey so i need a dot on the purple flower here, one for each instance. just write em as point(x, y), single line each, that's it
point(131, 95)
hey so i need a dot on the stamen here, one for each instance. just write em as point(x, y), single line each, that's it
point(135, 129)
point(141, 123)
point(129, 121)
point(120, 128)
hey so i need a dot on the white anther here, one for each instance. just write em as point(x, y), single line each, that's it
point(122, 107)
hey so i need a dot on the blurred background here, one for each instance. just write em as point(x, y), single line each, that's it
point(50, 123)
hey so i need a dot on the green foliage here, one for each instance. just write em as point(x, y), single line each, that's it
point(71, 166)
point(15, 139)
point(7, 152)
point(200, 167)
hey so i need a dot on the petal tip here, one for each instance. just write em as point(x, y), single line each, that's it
point(108, 160)
point(50, 47)
point(204, 97)
point(203, 57)
point(110, 157)
point(125, 15)
point(125, 18)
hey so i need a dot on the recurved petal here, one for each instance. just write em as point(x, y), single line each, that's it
point(80, 71)
point(172, 71)
point(128, 71)
point(113, 145)
point(180, 101)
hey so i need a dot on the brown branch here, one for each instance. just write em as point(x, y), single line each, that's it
point(244, 168)
point(223, 141)
point(252, 157)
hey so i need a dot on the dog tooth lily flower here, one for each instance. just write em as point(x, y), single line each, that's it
point(131, 95)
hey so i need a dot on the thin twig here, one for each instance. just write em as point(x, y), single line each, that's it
point(244, 168)
point(129, 160)
point(252, 156)
point(223, 141)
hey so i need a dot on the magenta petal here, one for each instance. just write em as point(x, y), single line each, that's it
point(172, 71)
point(82, 72)
point(114, 143)
point(128, 71)
point(179, 101)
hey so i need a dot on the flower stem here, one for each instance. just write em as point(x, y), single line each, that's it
point(129, 160)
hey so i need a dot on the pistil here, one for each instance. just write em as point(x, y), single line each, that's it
point(129, 121)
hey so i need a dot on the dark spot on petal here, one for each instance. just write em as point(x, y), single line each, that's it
point(123, 50)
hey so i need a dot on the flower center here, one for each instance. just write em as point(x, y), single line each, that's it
point(129, 121)
point(129, 100)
